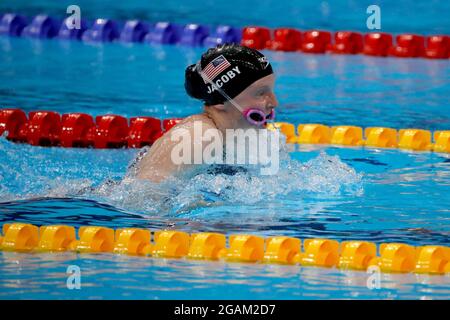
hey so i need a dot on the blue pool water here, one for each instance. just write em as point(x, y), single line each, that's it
point(330, 192)
point(422, 17)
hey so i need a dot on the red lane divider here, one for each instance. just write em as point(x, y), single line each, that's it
point(377, 44)
point(256, 37)
point(438, 47)
point(286, 39)
point(169, 123)
point(111, 132)
point(11, 120)
point(48, 128)
point(143, 131)
point(316, 41)
point(44, 128)
point(347, 42)
point(75, 127)
point(408, 46)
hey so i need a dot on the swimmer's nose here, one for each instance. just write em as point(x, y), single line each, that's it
point(273, 102)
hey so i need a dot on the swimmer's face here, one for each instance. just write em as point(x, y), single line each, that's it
point(259, 94)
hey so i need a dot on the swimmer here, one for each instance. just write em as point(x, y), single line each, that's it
point(236, 85)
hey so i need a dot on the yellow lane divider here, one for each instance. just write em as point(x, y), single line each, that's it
point(379, 137)
point(355, 255)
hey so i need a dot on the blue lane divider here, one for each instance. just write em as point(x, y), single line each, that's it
point(42, 26)
point(103, 30)
point(134, 31)
point(194, 35)
point(223, 34)
point(106, 30)
point(12, 24)
point(72, 34)
point(164, 33)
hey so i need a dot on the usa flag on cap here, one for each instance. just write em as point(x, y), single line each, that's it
point(215, 67)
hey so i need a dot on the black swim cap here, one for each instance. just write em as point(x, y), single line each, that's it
point(231, 67)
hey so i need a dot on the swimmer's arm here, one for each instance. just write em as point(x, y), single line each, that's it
point(157, 164)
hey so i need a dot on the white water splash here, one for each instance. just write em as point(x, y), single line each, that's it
point(29, 172)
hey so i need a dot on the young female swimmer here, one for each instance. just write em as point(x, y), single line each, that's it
point(236, 85)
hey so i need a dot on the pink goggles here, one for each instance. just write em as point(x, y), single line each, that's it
point(257, 117)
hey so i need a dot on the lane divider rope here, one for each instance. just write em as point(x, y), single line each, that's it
point(377, 137)
point(49, 128)
point(347, 255)
point(280, 39)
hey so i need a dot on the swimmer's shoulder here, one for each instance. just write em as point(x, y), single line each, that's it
point(190, 126)
point(188, 122)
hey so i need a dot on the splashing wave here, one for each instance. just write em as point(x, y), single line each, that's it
point(29, 172)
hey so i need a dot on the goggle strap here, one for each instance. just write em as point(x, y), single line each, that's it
point(223, 93)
